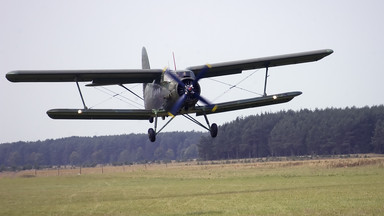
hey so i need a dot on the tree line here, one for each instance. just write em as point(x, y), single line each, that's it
point(305, 132)
point(90, 151)
point(286, 133)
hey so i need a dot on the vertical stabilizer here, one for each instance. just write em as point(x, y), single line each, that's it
point(153, 93)
point(144, 65)
point(144, 59)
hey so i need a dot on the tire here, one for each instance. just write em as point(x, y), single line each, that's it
point(213, 130)
point(151, 135)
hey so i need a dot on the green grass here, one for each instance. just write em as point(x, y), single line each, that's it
point(234, 189)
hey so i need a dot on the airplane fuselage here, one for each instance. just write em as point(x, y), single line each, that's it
point(166, 93)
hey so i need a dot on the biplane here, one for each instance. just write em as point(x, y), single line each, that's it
point(167, 93)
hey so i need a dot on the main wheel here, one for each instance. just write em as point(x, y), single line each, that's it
point(213, 130)
point(151, 135)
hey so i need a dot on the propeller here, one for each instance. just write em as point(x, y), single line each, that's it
point(191, 89)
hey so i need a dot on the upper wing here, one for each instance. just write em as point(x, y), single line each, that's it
point(233, 67)
point(98, 77)
point(115, 76)
point(247, 103)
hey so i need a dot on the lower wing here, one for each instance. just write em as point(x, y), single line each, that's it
point(142, 114)
point(123, 114)
point(247, 103)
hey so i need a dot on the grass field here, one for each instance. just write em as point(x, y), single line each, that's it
point(315, 187)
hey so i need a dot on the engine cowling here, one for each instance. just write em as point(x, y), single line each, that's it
point(190, 90)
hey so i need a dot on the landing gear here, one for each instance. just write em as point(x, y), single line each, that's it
point(213, 130)
point(152, 132)
point(152, 135)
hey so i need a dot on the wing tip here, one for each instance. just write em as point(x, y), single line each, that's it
point(329, 51)
point(11, 76)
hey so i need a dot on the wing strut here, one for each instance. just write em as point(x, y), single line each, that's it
point(131, 91)
point(81, 95)
point(265, 82)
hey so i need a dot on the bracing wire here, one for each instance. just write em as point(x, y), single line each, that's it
point(235, 86)
point(122, 96)
point(118, 96)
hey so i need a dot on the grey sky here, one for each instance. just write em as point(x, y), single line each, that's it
point(109, 35)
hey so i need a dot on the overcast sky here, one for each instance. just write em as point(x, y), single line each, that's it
point(99, 34)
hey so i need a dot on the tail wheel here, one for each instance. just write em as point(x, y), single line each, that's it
point(151, 135)
point(213, 130)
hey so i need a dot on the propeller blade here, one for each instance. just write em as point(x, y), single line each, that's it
point(202, 99)
point(202, 73)
point(178, 104)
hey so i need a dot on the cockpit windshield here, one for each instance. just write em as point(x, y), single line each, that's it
point(181, 74)
point(185, 73)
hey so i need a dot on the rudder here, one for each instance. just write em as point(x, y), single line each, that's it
point(144, 59)
point(144, 65)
